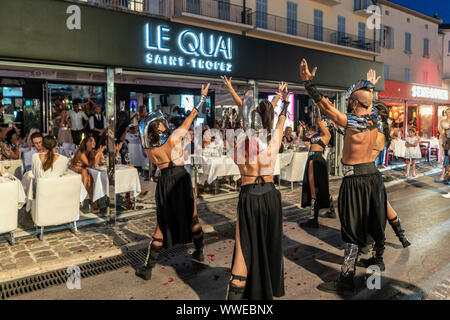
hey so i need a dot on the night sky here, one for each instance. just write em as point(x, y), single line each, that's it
point(429, 7)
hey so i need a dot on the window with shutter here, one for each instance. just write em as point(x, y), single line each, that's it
point(426, 51)
point(291, 18)
point(318, 25)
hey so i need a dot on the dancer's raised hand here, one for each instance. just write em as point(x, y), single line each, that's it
point(227, 82)
point(205, 89)
point(372, 76)
point(305, 74)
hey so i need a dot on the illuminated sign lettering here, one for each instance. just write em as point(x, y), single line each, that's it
point(196, 50)
point(429, 93)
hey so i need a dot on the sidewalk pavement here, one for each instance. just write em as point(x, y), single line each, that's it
point(30, 256)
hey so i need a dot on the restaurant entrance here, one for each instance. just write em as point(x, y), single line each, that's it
point(21, 102)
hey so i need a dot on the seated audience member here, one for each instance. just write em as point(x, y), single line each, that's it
point(48, 163)
point(37, 147)
point(7, 152)
point(87, 157)
point(287, 137)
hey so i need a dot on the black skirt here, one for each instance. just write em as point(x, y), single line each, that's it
point(175, 206)
point(261, 232)
point(321, 184)
point(363, 206)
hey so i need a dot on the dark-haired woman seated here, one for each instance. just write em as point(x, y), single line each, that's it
point(258, 271)
point(87, 157)
point(177, 221)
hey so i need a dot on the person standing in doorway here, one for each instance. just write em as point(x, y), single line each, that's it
point(97, 123)
point(76, 118)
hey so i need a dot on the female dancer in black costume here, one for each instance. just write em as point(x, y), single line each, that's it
point(177, 220)
point(257, 271)
point(315, 188)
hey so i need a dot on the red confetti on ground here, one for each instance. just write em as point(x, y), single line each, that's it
point(99, 257)
point(304, 283)
point(217, 238)
point(230, 241)
point(166, 284)
point(131, 298)
point(285, 277)
point(126, 271)
point(118, 256)
point(285, 273)
point(80, 251)
point(166, 297)
point(224, 247)
point(102, 243)
point(291, 277)
point(226, 262)
point(321, 243)
point(53, 272)
point(292, 228)
point(163, 268)
point(170, 279)
point(224, 241)
point(226, 256)
point(206, 246)
point(299, 284)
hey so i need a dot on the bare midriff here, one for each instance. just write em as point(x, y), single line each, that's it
point(359, 146)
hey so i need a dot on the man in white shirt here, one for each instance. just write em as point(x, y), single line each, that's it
point(97, 123)
point(76, 118)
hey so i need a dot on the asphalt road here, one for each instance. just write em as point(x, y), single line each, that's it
point(311, 257)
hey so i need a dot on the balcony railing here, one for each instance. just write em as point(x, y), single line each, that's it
point(310, 31)
point(156, 7)
point(222, 10)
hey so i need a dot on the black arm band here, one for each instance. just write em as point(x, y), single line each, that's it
point(312, 91)
point(285, 107)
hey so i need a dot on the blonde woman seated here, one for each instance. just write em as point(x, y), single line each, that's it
point(87, 157)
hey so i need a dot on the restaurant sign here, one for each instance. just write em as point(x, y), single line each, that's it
point(187, 48)
point(429, 93)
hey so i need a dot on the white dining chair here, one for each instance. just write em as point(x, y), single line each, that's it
point(8, 208)
point(57, 202)
point(294, 171)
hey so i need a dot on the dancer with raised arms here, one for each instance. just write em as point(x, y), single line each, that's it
point(177, 220)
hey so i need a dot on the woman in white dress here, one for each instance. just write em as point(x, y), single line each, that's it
point(135, 150)
point(412, 151)
point(48, 164)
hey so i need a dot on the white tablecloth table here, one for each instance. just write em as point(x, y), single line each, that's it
point(127, 180)
point(7, 178)
point(214, 167)
point(15, 167)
